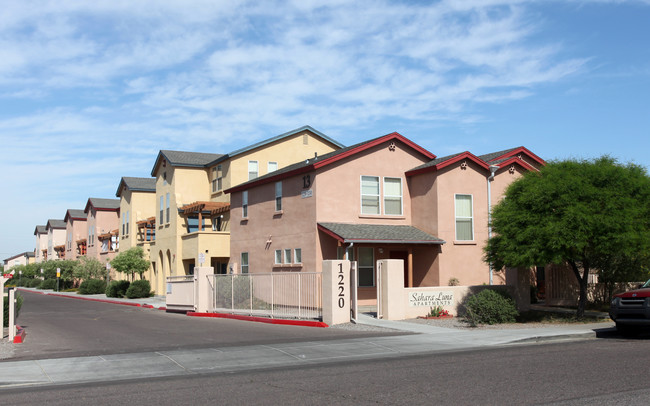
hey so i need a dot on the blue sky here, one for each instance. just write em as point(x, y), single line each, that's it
point(90, 91)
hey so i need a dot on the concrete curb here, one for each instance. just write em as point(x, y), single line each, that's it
point(303, 323)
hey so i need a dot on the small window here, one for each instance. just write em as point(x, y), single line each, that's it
point(164, 178)
point(167, 198)
point(217, 223)
point(366, 267)
point(217, 179)
point(244, 204)
point(253, 170)
point(297, 256)
point(272, 167)
point(370, 195)
point(278, 196)
point(464, 218)
point(278, 257)
point(393, 196)
point(162, 208)
point(287, 256)
point(244, 262)
point(127, 223)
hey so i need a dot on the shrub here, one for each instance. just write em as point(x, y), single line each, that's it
point(138, 289)
point(92, 287)
point(5, 304)
point(48, 284)
point(454, 282)
point(117, 288)
point(490, 307)
point(34, 283)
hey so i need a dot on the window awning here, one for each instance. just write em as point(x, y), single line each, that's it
point(205, 207)
point(378, 233)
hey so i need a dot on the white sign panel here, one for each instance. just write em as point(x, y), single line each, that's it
point(431, 298)
point(306, 193)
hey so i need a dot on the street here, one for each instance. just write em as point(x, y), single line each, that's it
point(594, 372)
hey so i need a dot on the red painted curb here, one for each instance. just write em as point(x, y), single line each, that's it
point(20, 335)
point(304, 323)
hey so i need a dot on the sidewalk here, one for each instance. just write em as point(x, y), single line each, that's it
point(419, 339)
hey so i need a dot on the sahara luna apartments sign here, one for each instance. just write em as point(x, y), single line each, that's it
point(431, 298)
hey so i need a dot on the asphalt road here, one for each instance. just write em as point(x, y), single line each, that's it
point(62, 327)
point(592, 372)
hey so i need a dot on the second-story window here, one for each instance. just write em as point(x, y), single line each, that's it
point(393, 196)
point(370, 195)
point(162, 207)
point(244, 204)
point(217, 179)
point(127, 222)
point(167, 207)
point(278, 196)
point(272, 166)
point(244, 262)
point(253, 170)
point(464, 218)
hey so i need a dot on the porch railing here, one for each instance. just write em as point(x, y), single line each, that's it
point(280, 294)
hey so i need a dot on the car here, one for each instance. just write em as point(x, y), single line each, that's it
point(631, 310)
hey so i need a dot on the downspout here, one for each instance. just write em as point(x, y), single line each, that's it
point(493, 170)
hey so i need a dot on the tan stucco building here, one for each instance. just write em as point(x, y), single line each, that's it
point(192, 220)
point(55, 239)
point(40, 249)
point(23, 258)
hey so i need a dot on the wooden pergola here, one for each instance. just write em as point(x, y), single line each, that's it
point(81, 246)
point(60, 250)
point(146, 228)
point(201, 208)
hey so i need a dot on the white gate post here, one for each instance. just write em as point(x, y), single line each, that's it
point(12, 314)
point(336, 292)
point(392, 296)
point(204, 294)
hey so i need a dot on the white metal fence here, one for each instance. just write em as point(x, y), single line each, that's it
point(280, 294)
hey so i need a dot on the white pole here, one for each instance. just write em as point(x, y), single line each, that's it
point(12, 314)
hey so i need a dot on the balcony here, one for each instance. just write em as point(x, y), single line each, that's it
point(214, 243)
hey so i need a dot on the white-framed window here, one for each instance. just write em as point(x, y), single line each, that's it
point(272, 167)
point(278, 257)
point(370, 195)
point(217, 178)
point(393, 196)
point(287, 256)
point(127, 222)
point(253, 170)
point(167, 207)
point(164, 177)
point(123, 225)
point(244, 262)
point(162, 208)
point(244, 204)
point(278, 196)
point(464, 217)
point(297, 256)
point(366, 266)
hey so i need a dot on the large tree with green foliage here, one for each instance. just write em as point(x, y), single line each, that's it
point(589, 214)
point(131, 262)
point(89, 268)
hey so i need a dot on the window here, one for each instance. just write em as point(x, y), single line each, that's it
point(253, 170)
point(464, 218)
point(278, 257)
point(193, 224)
point(123, 225)
point(216, 223)
point(297, 256)
point(217, 179)
point(244, 262)
point(272, 166)
point(127, 222)
point(366, 267)
point(393, 196)
point(167, 206)
point(244, 204)
point(370, 195)
point(105, 245)
point(278, 196)
point(164, 178)
point(162, 207)
point(287, 256)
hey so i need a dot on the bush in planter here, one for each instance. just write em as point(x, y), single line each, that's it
point(117, 288)
point(139, 289)
point(5, 304)
point(48, 284)
point(490, 307)
point(92, 287)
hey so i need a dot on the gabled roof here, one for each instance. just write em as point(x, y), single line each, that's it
point(184, 159)
point(277, 138)
point(378, 233)
point(55, 224)
point(495, 157)
point(26, 254)
point(136, 185)
point(40, 230)
point(440, 163)
point(327, 159)
point(102, 204)
point(75, 214)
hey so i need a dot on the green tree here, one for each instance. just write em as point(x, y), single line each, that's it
point(131, 262)
point(587, 214)
point(89, 268)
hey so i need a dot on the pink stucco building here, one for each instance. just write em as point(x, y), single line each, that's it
point(102, 225)
point(387, 198)
point(75, 233)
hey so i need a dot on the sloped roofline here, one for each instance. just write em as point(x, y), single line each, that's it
point(90, 204)
point(428, 167)
point(328, 159)
point(516, 151)
point(68, 214)
point(123, 184)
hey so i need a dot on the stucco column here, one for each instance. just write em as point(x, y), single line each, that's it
point(392, 294)
point(336, 292)
point(204, 286)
